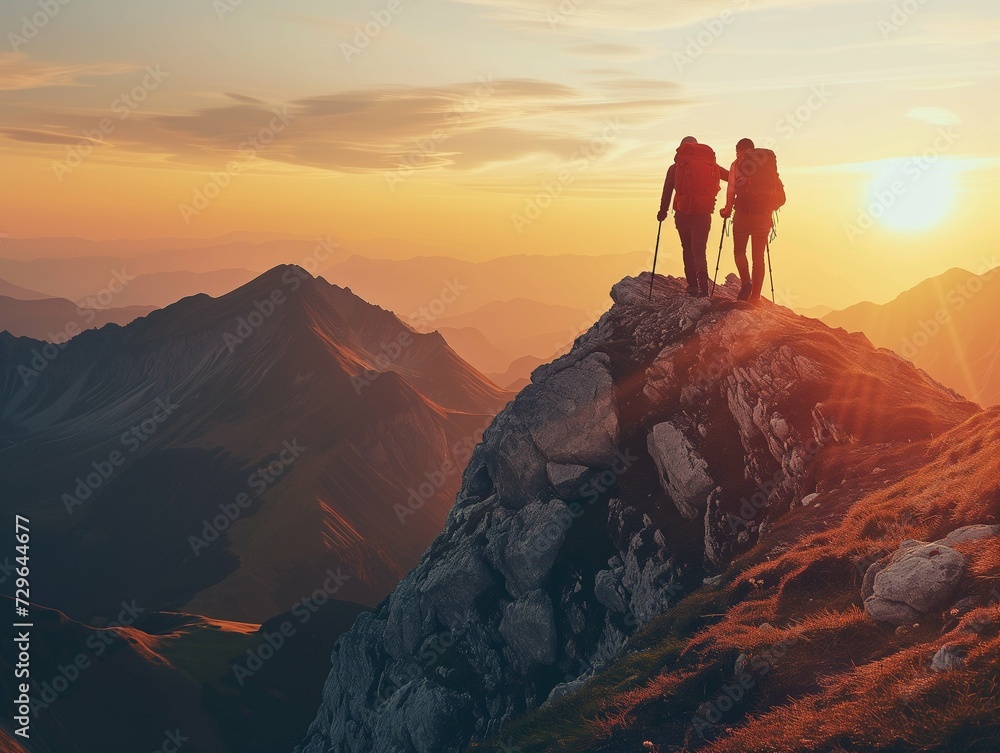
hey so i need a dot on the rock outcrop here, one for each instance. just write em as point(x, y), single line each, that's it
point(627, 473)
point(919, 577)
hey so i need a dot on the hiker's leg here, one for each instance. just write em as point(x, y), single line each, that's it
point(740, 240)
point(702, 228)
point(759, 262)
point(683, 224)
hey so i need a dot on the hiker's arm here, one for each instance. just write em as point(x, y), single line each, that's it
point(731, 190)
point(668, 192)
point(723, 173)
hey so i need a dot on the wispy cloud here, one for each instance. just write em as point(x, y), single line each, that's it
point(460, 126)
point(19, 72)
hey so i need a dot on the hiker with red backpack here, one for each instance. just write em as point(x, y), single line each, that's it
point(756, 193)
point(694, 182)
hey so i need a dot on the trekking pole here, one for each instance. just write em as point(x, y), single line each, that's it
point(718, 264)
point(770, 271)
point(656, 254)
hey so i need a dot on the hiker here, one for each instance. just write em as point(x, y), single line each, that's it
point(694, 178)
point(756, 192)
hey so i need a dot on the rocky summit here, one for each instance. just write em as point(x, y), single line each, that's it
point(674, 435)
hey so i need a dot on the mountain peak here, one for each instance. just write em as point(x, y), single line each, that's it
point(674, 434)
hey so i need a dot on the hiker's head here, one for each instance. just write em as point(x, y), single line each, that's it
point(689, 140)
point(743, 146)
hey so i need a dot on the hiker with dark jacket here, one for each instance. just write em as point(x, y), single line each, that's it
point(756, 192)
point(693, 181)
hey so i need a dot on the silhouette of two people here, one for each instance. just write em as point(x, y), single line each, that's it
point(755, 192)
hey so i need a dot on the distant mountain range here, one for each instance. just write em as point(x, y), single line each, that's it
point(57, 320)
point(946, 325)
point(244, 445)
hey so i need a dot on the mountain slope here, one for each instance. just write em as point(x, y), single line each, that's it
point(670, 439)
point(945, 325)
point(245, 445)
point(56, 319)
point(22, 294)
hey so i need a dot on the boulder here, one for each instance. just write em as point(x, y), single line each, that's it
point(683, 472)
point(948, 658)
point(571, 414)
point(524, 546)
point(568, 480)
point(916, 579)
point(528, 627)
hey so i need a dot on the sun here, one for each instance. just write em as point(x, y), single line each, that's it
point(913, 194)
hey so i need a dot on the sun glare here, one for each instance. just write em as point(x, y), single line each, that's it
point(913, 194)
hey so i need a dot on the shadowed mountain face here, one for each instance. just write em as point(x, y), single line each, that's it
point(673, 437)
point(216, 686)
point(221, 455)
point(945, 325)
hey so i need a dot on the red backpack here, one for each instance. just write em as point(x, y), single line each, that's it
point(696, 182)
point(759, 189)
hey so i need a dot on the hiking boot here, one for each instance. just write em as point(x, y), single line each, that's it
point(693, 292)
point(703, 293)
point(745, 292)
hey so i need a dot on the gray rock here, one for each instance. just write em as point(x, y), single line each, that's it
point(947, 659)
point(524, 546)
point(742, 663)
point(528, 627)
point(683, 472)
point(568, 480)
point(567, 688)
point(970, 533)
point(893, 612)
point(571, 414)
point(609, 592)
point(453, 584)
point(916, 579)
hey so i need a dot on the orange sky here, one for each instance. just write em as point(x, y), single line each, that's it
point(487, 127)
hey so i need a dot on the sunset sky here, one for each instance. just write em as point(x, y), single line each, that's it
point(446, 122)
